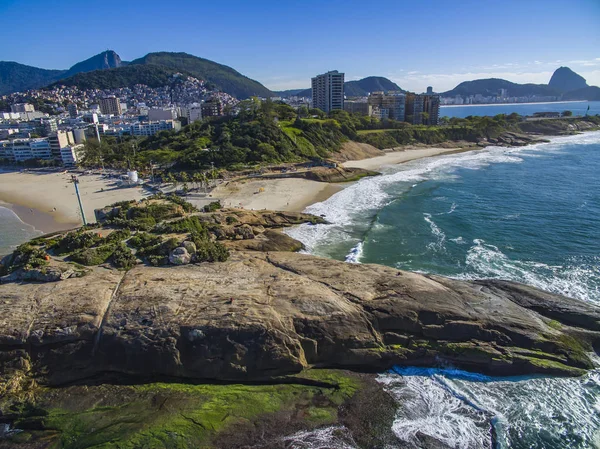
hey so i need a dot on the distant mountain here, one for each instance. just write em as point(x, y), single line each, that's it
point(106, 70)
point(364, 86)
point(490, 87)
point(590, 93)
point(288, 93)
point(106, 60)
point(565, 80)
point(154, 68)
point(360, 88)
point(222, 76)
point(15, 77)
point(565, 84)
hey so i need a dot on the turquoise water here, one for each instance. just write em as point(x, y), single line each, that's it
point(13, 231)
point(577, 107)
point(529, 214)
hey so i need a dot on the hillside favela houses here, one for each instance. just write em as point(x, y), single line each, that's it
point(70, 115)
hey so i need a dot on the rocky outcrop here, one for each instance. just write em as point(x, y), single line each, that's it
point(260, 315)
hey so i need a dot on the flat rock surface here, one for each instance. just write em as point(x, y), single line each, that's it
point(260, 315)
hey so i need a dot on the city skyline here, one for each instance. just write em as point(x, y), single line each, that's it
point(274, 44)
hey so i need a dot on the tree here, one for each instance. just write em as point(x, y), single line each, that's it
point(567, 113)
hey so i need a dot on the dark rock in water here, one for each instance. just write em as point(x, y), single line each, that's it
point(564, 79)
point(262, 315)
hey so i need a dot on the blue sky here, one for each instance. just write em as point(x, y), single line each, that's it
point(282, 44)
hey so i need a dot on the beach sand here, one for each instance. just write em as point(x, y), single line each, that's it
point(287, 194)
point(398, 157)
point(48, 201)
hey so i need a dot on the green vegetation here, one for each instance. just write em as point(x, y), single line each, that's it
point(126, 76)
point(268, 133)
point(180, 416)
point(207, 251)
point(213, 206)
point(94, 256)
point(26, 256)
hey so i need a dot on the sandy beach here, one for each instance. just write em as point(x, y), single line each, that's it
point(399, 157)
point(287, 194)
point(48, 201)
point(295, 195)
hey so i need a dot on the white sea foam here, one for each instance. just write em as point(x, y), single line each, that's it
point(579, 280)
point(439, 235)
point(333, 437)
point(459, 408)
point(355, 253)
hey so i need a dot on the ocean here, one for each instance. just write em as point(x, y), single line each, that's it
point(576, 107)
point(13, 231)
point(528, 214)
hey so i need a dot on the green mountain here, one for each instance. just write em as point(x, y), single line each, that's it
point(360, 88)
point(125, 76)
point(15, 77)
point(106, 70)
point(565, 80)
point(491, 86)
point(222, 76)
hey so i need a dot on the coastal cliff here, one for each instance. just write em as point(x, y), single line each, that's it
point(261, 315)
point(268, 342)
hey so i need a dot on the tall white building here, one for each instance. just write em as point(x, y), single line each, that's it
point(328, 91)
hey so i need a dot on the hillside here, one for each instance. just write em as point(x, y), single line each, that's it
point(222, 76)
point(360, 88)
point(106, 70)
point(491, 86)
point(15, 77)
point(565, 80)
point(106, 60)
point(590, 93)
point(125, 76)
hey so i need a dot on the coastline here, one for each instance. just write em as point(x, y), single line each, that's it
point(295, 195)
point(47, 201)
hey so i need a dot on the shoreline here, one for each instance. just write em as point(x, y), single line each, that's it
point(295, 195)
point(47, 201)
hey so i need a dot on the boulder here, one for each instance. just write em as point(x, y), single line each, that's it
point(245, 231)
point(189, 246)
point(180, 256)
point(261, 315)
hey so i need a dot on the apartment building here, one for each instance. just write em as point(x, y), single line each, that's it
point(360, 107)
point(59, 140)
point(211, 109)
point(151, 128)
point(157, 114)
point(328, 91)
point(20, 150)
point(110, 105)
point(393, 102)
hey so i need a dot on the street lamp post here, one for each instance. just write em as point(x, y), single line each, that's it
point(75, 182)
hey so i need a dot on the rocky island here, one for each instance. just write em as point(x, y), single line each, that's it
point(164, 326)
